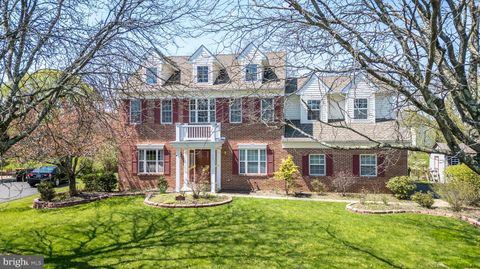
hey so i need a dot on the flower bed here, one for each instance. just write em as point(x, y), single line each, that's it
point(468, 216)
point(82, 198)
point(169, 200)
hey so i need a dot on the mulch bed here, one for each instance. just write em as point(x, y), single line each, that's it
point(181, 204)
point(472, 221)
point(84, 198)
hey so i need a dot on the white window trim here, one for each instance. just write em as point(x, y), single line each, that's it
point(230, 111)
point(145, 147)
point(256, 74)
point(273, 109)
point(210, 100)
point(171, 111)
point(252, 146)
point(360, 165)
point(324, 165)
point(258, 160)
point(367, 119)
point(155, 75)
point(130, 112)
point(209, 77)
point(307, 109)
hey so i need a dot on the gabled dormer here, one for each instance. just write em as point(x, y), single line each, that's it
point(253, 63)
point(360, 100)
point(157, 69)
point(205, 67)
point(313, 100)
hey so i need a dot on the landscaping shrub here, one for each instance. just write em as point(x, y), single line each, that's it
point(46, 190)
point(162, 184)
point(402, 186)
point(456, 193)
point(288, 173)
point(90, 182)
point(423, 199)
point(463, 173)
point(318, 186)
point(343, 181)
point(107, 182)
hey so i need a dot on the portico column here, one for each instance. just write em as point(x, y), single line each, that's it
point(186, 167)
point(219, 169)
point(177, 169)
point(212, 169)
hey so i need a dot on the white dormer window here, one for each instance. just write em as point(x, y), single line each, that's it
point(202, 74)
point(360, 109)
point(251, 72)
point(313, 112)
point(151, 75)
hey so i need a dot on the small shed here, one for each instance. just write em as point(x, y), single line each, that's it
point(438, 162)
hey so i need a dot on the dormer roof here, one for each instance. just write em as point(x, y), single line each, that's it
point(253, 51)
point(202, 50)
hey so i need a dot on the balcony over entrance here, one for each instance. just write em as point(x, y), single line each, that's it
point(198, 132)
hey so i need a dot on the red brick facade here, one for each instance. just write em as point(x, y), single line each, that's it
point(150, 131)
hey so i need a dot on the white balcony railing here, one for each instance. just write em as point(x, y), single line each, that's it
point(200, 132)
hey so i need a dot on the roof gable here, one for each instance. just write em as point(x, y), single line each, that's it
point(250, 53)
point(201, 52)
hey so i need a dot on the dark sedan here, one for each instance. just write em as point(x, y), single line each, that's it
point(51, 173)
point(21, 174)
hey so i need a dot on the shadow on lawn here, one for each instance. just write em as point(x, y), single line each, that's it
point(126, 233)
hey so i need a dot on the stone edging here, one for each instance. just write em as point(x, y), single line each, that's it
point(160, 205)
point(469, 220)
point(38, 204)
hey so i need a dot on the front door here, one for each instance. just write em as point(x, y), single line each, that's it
point(199, 160)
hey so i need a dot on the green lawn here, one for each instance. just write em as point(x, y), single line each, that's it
point(248, 233)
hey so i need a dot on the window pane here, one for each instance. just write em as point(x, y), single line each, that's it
point(242, 155)
point(202, 104)
point(140, 166)
point(252, 155)
point(235, 116)
point(202, 73)
point(251, 72)
point(368, 170)
point(151, 75)
point(151, 167)
point(141, 154)
point(317, 169)
point(360, 108)
point(368, 159)
point(167, 111)
point(252, 167)
point(242, 167)
point(263, 156)
point(263, 167)
point(151, 155)
point(202, 116)
point(267, 110)
point(135, 111)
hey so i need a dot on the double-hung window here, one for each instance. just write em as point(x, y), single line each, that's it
point(313, 107)
point(202, 74)
point(453, 160)
point(317, 164)
point(267, 110)
point(251, 72)
point(135, 111)
point(166, 111)
point(150, 161)
point(253, 161)
point(151, 75)
point(360, 109)
point(202, 110)
point(368, 165)
point(236, 110)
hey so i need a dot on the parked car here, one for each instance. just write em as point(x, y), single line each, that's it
point(43, 173)
point(21, 174)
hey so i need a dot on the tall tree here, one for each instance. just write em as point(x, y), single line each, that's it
point(426, 51)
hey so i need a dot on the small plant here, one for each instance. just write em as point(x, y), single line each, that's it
point(288, 173)
point(363, 195)
point(385, 200)
point(343, 181)
point(402, 186)
point(423, 199)
point(90, 182)
point(200, 183)
point(318, 187)
point(107, 182)
point(456, 193)
point(46, 190)
point(162, 184)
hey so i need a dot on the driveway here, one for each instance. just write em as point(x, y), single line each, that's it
point(15, 190)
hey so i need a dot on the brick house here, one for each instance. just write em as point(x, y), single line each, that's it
point(226, 113)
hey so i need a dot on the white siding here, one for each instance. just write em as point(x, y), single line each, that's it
point(384, 105)
point(313, 90)
point(292, 107)
point(336, 108)
point(442, 164)
point(361, 89)
point(203, 58)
